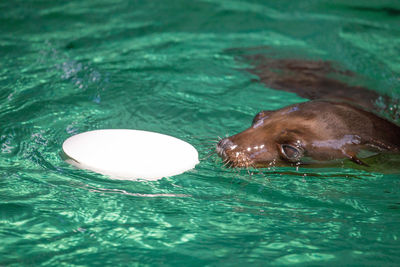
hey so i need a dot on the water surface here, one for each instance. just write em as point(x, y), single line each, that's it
point(169, 67)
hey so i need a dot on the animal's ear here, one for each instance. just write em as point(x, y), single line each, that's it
point(292, 153)
point(261, 115)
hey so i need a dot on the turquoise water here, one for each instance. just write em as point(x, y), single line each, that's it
point(168, 66)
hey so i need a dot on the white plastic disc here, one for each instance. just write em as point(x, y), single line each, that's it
point(130, 154)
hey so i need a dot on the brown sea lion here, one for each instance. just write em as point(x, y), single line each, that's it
point(307, 133)
point(314, 131)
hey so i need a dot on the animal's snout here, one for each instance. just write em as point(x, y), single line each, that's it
point(224, 145)
point(231, 154)
point(221, 147)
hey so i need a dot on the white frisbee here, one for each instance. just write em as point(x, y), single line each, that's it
point(130, 154)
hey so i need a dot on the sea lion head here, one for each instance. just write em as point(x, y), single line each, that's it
point(304, 133)
point(274, 137)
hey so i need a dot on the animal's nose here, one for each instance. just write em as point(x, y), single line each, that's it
point(223, 145)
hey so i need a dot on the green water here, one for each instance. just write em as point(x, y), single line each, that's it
point(168, 66)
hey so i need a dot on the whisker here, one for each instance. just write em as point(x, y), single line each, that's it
point(209, 148)
point(200, 137)
point(210, 141)
point(208, 144)
point(209, 155)
point(227, 163)
point(248, 171)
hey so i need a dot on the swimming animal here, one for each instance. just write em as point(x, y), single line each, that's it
point(327, 128)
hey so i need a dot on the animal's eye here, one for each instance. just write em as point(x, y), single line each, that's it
point(261, 115)
point(291, 153)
